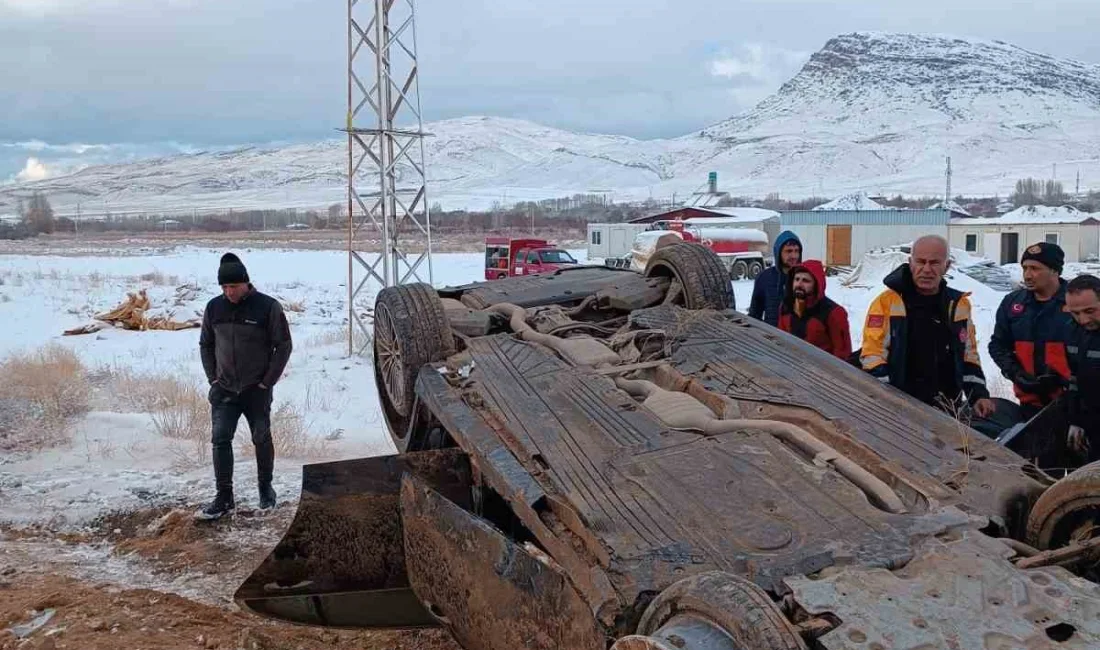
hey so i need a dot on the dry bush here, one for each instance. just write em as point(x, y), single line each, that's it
point(290, 434)
point(53, 378)
point(179, 410)
point(296, 306)
point(39, 392)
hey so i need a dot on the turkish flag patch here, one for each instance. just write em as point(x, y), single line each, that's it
point(963, 335)
point(876, 320)
point(1017, 308)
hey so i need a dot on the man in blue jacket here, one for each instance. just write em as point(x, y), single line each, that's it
point(767, 292)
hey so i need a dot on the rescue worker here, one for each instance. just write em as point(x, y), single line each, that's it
point(919, 336)
point(245, 345)
point(769, 287)
point(1083, 356)
point(812, 317)
point(1028, 342)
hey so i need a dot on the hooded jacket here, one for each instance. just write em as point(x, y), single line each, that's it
point(886, 335)
point(770, 285)
point(823, 323)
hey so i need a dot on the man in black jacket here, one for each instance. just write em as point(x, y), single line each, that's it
point(1083, 352)
point(245, 345)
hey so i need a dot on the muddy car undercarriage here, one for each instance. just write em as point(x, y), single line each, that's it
point(600, 458)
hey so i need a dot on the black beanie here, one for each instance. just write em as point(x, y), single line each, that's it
point(231, 270)
point(1049, 255)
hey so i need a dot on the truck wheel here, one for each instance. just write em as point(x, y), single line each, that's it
point(1068, 510)
point(738, 270)
point(703, 280)
point(410, 330)
point(755, 267)
point(713, 611)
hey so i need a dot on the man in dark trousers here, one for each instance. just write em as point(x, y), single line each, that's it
point(919, 336)
point(1028, 343)
point(770, 285)
point(811, 316)
point(245, 345)
point(1083, 352)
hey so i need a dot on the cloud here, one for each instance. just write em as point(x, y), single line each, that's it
point(756, 70)
point(34, 170)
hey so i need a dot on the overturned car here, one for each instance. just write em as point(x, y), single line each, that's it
point(598, 458)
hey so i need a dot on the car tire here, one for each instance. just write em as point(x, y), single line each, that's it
point(704, 282)
point(410, 330)
point(725, 602)
point(1065, 508)
point(739, 270)
point(755, 268)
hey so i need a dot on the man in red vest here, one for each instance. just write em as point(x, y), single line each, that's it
point(806, 313)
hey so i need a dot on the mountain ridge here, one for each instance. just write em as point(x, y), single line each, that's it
point(872, 111)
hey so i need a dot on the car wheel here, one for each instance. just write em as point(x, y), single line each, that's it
point(713, 611)
point(739, 270)
point(697, 274)
point(410, 330)
point(1067, 511)
point(754, 269)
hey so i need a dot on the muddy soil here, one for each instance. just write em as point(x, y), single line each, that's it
point(96, 617)
point(157, 579)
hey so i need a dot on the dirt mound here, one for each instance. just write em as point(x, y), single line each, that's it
point(96, 618)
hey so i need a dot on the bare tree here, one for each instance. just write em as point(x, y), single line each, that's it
point(39, 214)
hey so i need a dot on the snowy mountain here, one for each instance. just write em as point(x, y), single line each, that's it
point(868, 112)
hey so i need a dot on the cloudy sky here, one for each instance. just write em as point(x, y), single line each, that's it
point(139, 77)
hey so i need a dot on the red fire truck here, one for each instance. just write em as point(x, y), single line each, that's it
point(508, 257)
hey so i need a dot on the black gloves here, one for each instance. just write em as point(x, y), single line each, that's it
point(1041, 385)
point(1027, 382)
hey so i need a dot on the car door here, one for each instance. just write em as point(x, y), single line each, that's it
point(520, 262)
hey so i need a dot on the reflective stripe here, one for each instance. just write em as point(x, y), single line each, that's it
point(973, 379)
point(1072, 349)
point(1093, 354)
point(884, 379)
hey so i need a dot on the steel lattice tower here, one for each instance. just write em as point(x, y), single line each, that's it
point(389, 228)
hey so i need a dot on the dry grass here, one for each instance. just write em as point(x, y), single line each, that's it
point(296, 306)
point(159, 278)
point(339, 336)
point(290, 434)
point(52, 385)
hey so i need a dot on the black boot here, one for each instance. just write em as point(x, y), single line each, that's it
point(221, 505)
point(267, 496)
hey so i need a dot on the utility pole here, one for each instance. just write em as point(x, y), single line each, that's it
point(947, 197)
point(385, 132)
point(1077, 191)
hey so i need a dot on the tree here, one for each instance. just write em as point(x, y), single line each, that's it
point(1032, 191)
point(1053, 194)
point(39, 214)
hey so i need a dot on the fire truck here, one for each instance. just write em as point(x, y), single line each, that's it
point(506, 257)
point(743, 251)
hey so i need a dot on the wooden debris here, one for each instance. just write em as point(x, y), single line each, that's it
point(131, 315)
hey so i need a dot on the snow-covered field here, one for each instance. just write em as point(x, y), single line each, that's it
point(116, 459)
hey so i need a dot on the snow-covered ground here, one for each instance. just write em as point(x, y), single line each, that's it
point(116, 459)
